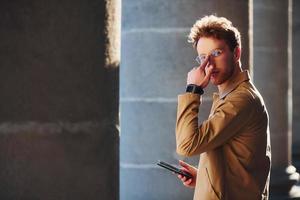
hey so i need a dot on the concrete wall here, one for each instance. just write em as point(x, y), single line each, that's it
point(272, 30)
point(59, 101)
point(270, 71)
point(296, 85)
point(155, 59)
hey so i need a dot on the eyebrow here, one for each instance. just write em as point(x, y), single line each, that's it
point(219, 48)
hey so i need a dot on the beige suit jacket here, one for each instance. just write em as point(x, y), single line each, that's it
point(233, 143)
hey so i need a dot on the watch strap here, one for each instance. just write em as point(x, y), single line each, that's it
point(196, 89)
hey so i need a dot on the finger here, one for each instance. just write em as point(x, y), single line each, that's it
point(204, 64)
point(188, 182)
point(206, 78)
point(183, 179)
point(185, 169)
point(184, 164)
point(209, 68)
point(209, 71)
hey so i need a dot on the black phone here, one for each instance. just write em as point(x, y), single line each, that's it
point(174, 169)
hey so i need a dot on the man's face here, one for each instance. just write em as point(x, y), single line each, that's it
point(221, 58)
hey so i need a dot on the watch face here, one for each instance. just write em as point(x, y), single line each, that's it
point(194, 89)
point(189, 88)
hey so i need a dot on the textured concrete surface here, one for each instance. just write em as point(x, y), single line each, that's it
point(272, 30)
point(58, 161)
point(296, 78)
point(150, 131)
point(152, 183)
point(270, 55)
point(59, 101)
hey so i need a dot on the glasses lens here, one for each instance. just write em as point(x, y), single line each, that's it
point(216, 52)
point(198, 60)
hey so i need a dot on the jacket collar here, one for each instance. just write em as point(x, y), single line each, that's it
point(234, 83)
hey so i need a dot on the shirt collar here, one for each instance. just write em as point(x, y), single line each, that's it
point(234, 83)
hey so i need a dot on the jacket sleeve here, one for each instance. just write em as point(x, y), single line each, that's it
point(226, 120)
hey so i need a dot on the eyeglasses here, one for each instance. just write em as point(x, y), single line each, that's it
point(214, 53)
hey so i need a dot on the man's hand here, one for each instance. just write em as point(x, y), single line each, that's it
point(200, 75)
point(190, 169)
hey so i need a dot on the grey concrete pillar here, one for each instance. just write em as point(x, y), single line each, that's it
point(272, 76)
point(59, 99)
point(155, 59)
point(296, 85)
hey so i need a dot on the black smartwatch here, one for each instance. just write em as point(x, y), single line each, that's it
point(192, 88)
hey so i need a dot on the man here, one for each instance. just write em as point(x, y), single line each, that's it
point(233, 143)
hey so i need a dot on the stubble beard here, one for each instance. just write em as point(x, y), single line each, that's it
point(226, 76)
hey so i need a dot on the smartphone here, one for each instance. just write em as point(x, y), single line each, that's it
point(174, 169)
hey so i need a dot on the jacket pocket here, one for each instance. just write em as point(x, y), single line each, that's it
point(211, 188)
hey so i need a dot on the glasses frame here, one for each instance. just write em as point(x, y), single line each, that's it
point(214, 53)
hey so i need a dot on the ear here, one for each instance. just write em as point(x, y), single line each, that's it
point(237, 53)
